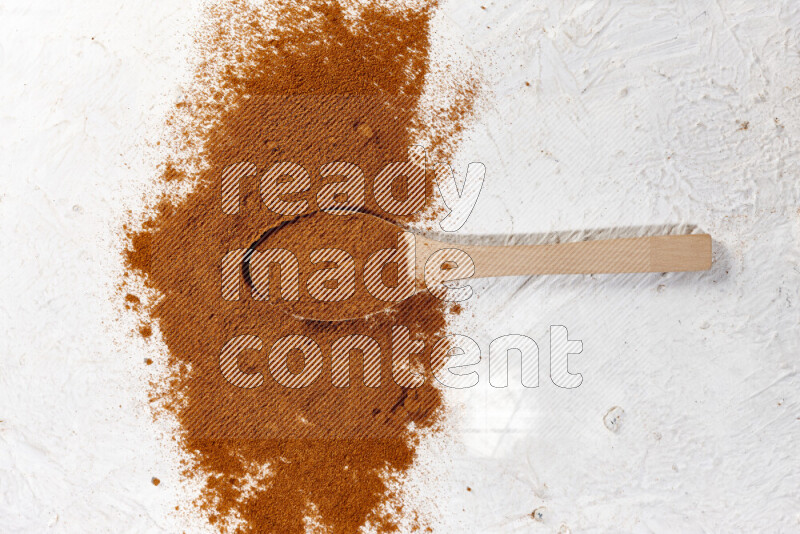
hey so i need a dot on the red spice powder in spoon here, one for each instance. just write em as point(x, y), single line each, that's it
point(316, 83)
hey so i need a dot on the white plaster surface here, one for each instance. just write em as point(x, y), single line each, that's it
point(624, 114)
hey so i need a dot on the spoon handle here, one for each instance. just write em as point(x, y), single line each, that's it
point(630, 255)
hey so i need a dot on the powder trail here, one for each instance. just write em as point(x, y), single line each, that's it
point(320, 85)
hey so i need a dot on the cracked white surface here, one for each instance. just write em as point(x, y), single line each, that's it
point(634, 114)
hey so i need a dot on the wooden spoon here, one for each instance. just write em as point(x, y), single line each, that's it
point(327, 286)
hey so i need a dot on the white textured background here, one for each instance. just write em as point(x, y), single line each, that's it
point(634, 117)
